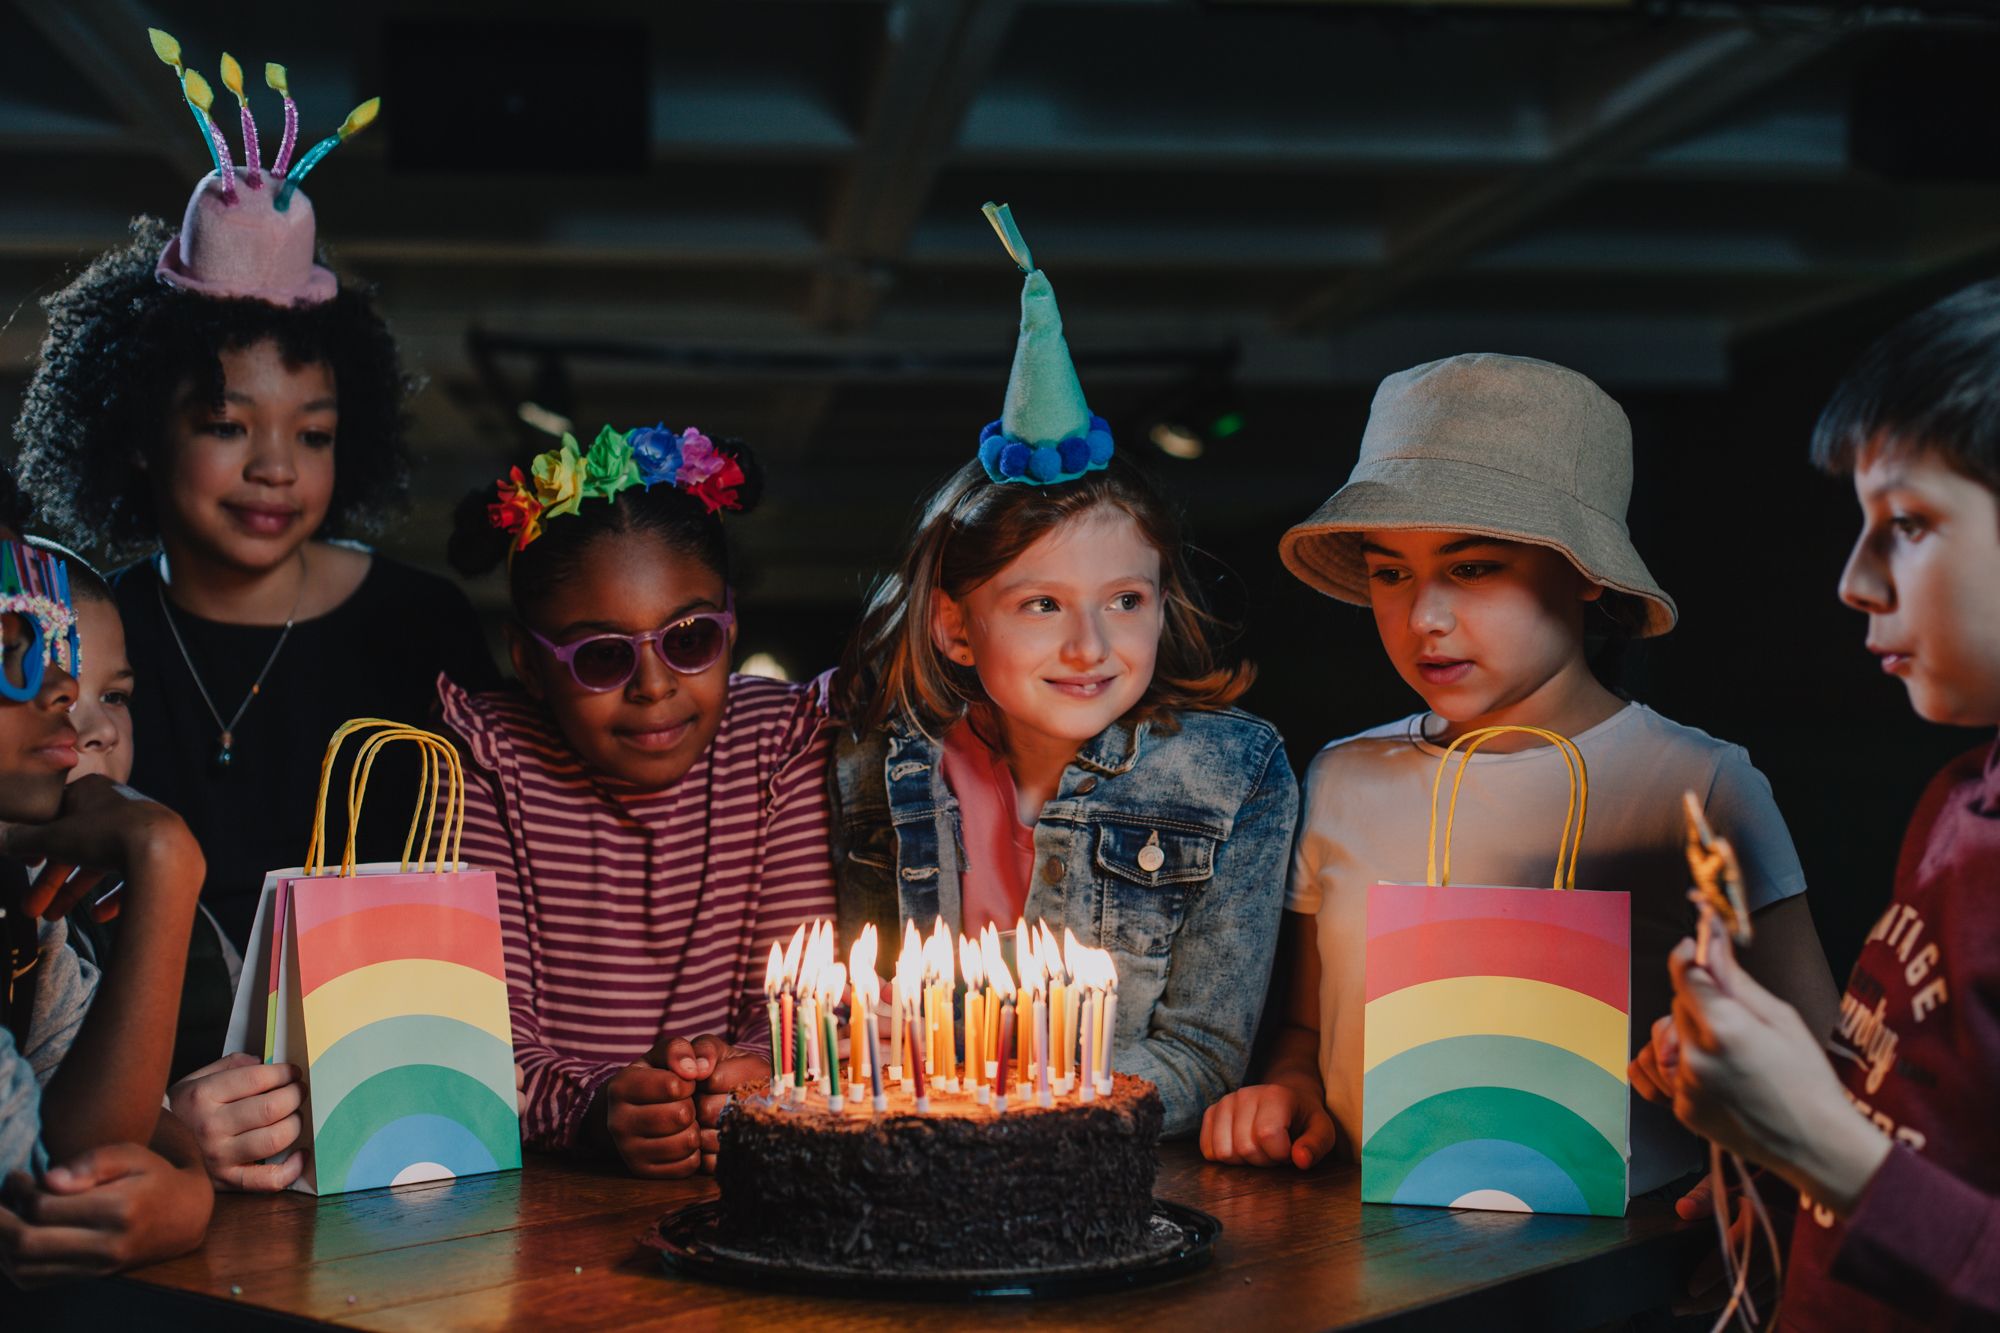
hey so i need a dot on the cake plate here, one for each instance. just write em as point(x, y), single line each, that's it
point(1182, 1240)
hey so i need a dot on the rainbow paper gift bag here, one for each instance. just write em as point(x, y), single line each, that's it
point(1495, 1032)
point(385, 983)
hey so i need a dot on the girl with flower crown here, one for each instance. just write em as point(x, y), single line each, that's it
point(656, 823)
point(215, 402)
point(1041, 728)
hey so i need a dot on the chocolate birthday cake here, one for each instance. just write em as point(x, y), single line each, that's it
point(957, 1188)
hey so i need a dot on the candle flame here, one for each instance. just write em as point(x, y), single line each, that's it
point(1050, 954)
point(1072, 954)
point(790, 974)
point(861, 958)
point(774, 971)
point(832, 983)
point(818, 957)
point(968, 963)
point(909, 977)
point(991, 964)
point(938, 960)
point(1095, 970)
point(998, 978)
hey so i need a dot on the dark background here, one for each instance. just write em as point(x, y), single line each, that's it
point(761, 217)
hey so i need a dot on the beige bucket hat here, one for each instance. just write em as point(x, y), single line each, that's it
point(1504, 446)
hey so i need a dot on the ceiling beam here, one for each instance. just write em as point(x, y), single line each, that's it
point(935, 56)
point(105, 42)
point(1607, 121)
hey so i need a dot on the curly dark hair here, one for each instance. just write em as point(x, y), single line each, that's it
point(664, 512)
point(121, 344)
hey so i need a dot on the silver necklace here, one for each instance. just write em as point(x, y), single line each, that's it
point(225, 752)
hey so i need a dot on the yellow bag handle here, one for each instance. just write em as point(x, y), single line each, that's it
point(441, 763)
point(442, 770)
point(1579, 801)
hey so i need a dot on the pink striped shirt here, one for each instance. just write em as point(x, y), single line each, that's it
point(628, 916)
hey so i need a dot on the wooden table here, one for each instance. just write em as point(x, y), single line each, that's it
point(555, 1247)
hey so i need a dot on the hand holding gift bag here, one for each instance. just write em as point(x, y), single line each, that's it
point(385, 984)
point(1495, 1035)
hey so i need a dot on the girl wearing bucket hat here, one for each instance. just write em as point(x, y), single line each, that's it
point(1484, 525)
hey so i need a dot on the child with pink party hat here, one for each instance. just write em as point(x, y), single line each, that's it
point(214, 401)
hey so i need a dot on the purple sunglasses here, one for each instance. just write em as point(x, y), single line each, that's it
point(689, 646)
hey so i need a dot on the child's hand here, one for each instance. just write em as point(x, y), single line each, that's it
point(649, 1111)
point(102, 828)
point(1755, 1081)
point(729, 1069)
point(1656, 1071)
point(1267, 1123)
point(111, 1208)
point(242, 1111)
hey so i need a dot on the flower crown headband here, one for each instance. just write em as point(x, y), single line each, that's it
point(559, 481)
point(35, 586)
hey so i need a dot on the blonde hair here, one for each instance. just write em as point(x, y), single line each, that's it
point(969, 530)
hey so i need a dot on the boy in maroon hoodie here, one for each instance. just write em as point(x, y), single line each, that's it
point(1899, 1219)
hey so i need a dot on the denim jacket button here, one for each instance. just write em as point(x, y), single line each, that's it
point(1151, 858)
point(1052, 870)
point(1086, 787)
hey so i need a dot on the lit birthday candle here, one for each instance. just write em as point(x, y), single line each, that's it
point(975, 1024)
point(1034, 1054)
point(795, 1036)
point(861, 1003)
point(991, 966)
point(1094, 974)
point(871, 1036)
point(1073, 1007)
point(1006, 1041)
point(1086, 1086)
point(832, 981)
point(1107, 1019)
point(774, 975)
point(942, 965)
point(1000, 983)
point(909, 978)
point(917, 1062)
point(1058, 1000)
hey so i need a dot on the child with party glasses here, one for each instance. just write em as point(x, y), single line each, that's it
point(655, 822)
point(1041, 729)
point(97, 1176)
point(1484, 525)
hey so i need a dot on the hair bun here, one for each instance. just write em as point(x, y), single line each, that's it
point(475, 546)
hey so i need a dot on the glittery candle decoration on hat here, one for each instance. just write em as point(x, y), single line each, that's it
point(255, 244)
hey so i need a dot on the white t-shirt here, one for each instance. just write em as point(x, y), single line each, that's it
point(1366, 813)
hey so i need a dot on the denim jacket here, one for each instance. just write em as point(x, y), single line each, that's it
point(1193, 938)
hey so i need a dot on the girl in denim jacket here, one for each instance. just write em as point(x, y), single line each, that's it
point(1039, 728)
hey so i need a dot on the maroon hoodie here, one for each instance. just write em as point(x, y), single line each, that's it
point(1918, 1050)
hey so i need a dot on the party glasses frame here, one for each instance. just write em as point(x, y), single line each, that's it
point(565, 653)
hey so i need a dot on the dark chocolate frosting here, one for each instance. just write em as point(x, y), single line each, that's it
point(958, 1189)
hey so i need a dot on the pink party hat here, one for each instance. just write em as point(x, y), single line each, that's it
point(250, 235)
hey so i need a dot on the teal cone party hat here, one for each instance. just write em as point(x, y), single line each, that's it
point(1046, 432)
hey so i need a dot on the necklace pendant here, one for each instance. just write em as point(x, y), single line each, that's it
point(225, 751)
